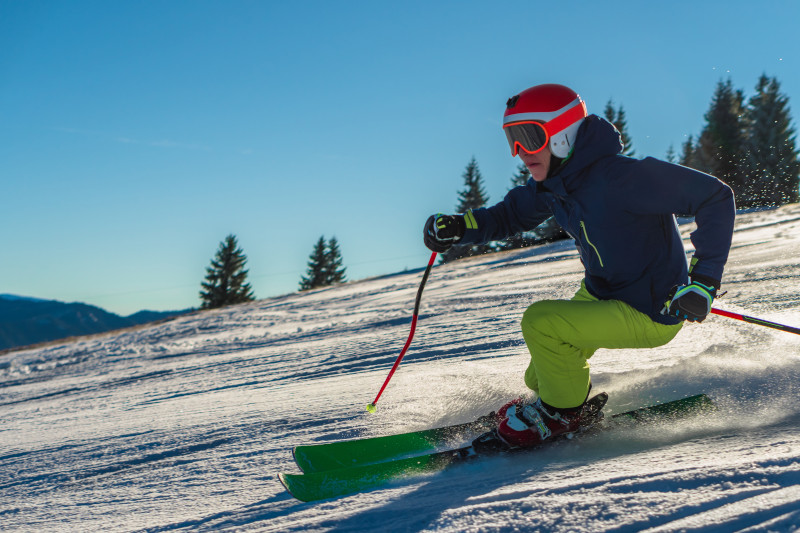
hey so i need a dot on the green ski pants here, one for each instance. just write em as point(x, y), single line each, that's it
point(563, 334)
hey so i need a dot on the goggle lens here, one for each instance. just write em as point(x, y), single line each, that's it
point(530, 136)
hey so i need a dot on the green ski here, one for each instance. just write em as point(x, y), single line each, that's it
point(674, 409)
point(334, 483)
point(357, 452)
point(368, 474)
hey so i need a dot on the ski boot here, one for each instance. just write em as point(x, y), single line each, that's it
point(530, 425)
point(502, 413)
point(526, 426)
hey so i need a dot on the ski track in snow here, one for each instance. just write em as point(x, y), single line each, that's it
point(185, 425)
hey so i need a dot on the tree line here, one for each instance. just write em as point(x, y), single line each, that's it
point(226, 278)
point(749, 143)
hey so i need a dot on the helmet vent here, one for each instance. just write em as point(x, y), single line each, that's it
point(512, 102)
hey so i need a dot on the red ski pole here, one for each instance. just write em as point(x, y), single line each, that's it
point(754, 320)
point(371, 407)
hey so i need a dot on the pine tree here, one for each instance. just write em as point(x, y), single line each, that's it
point(226, 278)
point(687, 152)
point(472, 196)
point(670, 156)
point(617, 118)
point(691, 156)
point(335, 272)
point(771, 163)
point(720, 143)
point(324, 265)
point(317, 271)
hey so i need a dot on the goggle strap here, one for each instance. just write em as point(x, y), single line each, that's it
point(566, 119)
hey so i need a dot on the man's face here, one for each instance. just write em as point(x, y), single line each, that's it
point(538, 164)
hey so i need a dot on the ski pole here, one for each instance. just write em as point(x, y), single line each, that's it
point(754, 320)
point(371, 407)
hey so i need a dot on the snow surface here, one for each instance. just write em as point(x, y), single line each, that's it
point(185, 425)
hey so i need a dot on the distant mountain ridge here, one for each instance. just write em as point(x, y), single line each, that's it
point(25, 321)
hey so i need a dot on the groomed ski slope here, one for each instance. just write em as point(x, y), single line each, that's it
point(184, 426)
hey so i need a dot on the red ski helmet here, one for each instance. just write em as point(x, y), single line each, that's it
point(544, 113)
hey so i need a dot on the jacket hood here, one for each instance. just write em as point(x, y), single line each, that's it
point(597, 138)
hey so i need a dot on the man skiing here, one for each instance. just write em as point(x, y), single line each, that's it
point(637, 289)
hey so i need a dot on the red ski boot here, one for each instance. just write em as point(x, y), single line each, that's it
point(530, 425)
point(502, 413)
point(524, 426)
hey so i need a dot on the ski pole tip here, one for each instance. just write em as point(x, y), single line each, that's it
point(371, 407)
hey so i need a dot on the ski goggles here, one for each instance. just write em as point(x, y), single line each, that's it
point(532, 131)
point(530, 136)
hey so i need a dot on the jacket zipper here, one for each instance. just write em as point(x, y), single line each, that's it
point(583, 226)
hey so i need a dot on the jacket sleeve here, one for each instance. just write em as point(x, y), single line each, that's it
point(521, 210)
point(657, 187)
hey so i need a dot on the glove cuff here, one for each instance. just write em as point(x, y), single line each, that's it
point(461, 226)
point(706, 281)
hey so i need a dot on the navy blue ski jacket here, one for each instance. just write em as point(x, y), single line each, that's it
point(620, 211)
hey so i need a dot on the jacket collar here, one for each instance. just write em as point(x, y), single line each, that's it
point(597, 138)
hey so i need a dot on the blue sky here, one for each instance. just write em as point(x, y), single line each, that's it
point(134, 136)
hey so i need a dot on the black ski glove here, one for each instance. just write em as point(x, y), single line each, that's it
point(442, 231)
point(692, 302)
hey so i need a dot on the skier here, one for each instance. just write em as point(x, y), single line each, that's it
point(637, 289)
